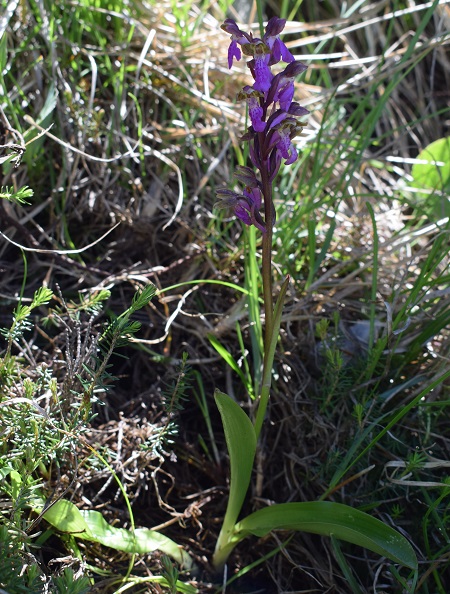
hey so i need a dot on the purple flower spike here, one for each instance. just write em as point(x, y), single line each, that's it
point(274, 120)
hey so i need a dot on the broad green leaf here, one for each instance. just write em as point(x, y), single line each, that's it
point(327, 518)
point(434, 170)
point(66, 517)
point(90, 525)
point(241, 443)
point(4, 473)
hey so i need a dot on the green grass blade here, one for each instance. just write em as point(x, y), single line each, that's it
point(228, 358)
point(346, 570)
point(326, 518)
point(351, 459)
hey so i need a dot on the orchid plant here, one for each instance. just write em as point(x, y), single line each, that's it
point(275, 121)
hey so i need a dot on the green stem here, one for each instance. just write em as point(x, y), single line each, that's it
point(272, 318)
point(269, 354)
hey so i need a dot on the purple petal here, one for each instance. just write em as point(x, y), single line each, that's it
point(293, 157)
point(231, 27)
point(242, 214)
point(276, 52)
point(285, 53)
point(297, 110)
point(276, 118)
point(274, 28)
point(283, 145)
point(285, 96)
point(294, 69)
point(254, 197)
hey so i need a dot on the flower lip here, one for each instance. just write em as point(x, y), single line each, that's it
point(261, 72)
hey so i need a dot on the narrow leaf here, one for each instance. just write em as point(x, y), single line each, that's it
point(228, 358)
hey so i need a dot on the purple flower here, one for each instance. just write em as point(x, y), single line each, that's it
point(285, 147)
point(246, 205)
point(273, 41)
point(254, 106)
point(281, 138)
point(282, 85)
point(237, 37)
point(260, 65)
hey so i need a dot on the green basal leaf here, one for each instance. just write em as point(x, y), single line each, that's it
point(66, 517)
point(241, 443)
point(90, 525)
point(327, 518)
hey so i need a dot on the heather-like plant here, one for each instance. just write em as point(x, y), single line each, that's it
point(274, 117)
